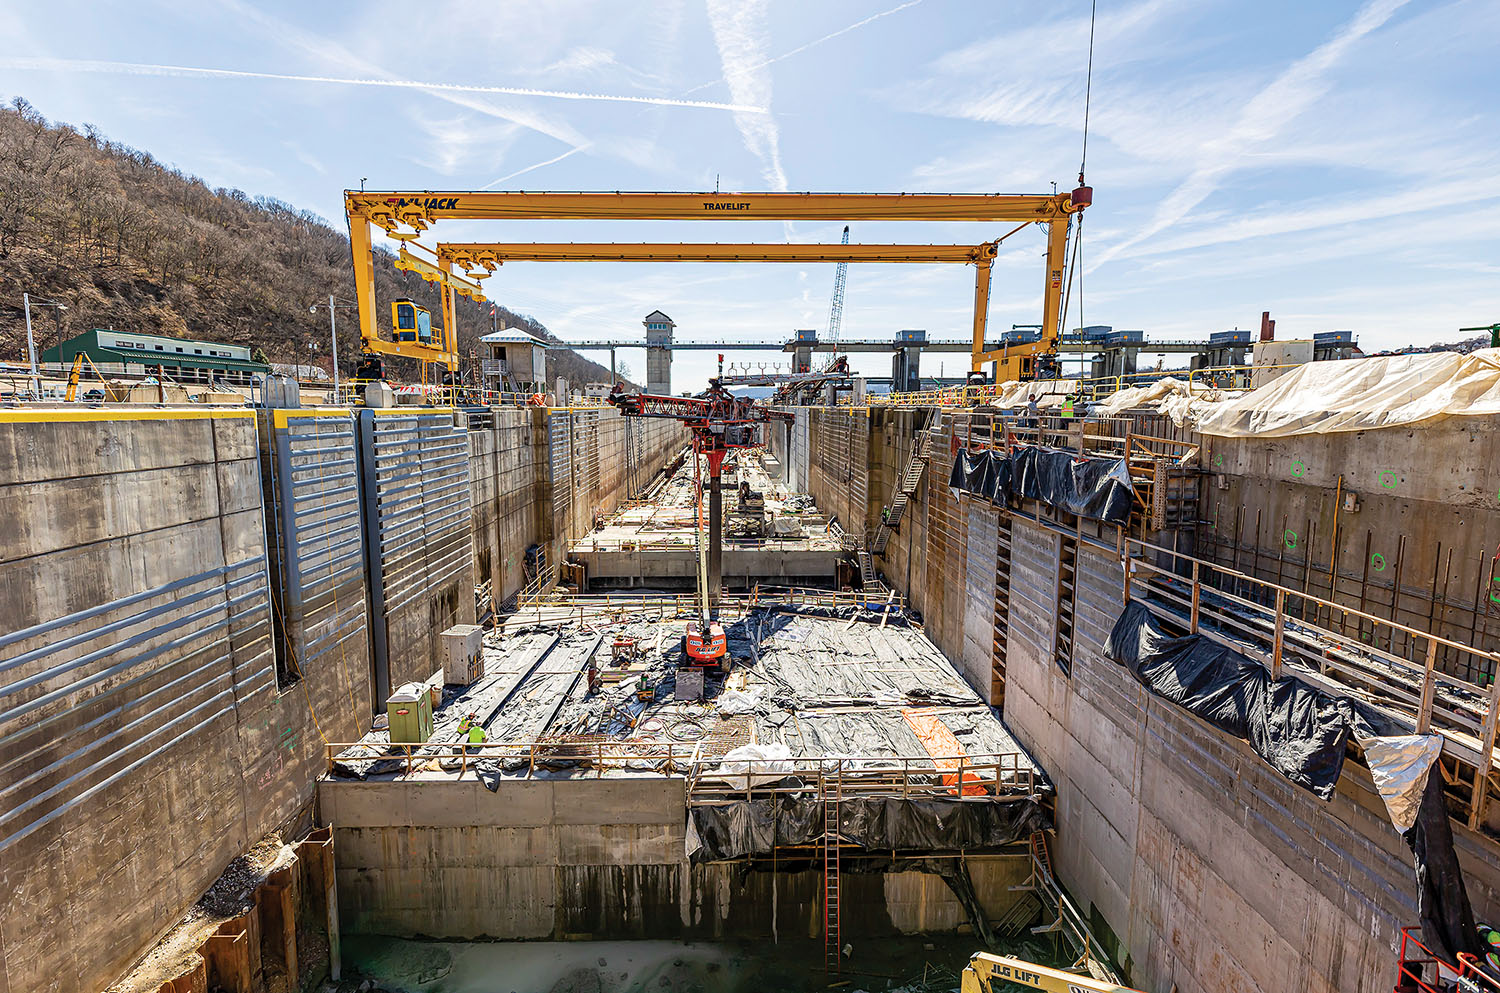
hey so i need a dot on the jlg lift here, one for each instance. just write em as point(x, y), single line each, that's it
point(405, 216)
point(720, 422)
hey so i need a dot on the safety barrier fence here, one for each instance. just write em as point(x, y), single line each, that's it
point(1421, 969)
point(731, 604)
point(710, 780)
point(732, 542)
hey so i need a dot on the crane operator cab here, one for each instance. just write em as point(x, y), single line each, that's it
point(412, 323)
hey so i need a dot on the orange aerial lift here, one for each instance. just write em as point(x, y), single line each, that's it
point(720, 422)
point(405, 216)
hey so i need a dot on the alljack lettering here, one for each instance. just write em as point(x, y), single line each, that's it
point(426, 203)
point(716, 205)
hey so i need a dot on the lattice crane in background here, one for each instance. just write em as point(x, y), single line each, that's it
point(836, 308)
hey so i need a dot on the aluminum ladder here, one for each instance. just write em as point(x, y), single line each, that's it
point(833, 943)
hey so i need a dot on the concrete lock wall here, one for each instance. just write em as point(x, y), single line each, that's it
point(414, 483)
point(1414, 506)
point(598, 458)
point(593, 859)
point(185, 617)
point(508, 460)
point(144, 740)
point(1209, 870)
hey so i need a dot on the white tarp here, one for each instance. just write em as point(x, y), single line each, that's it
point(1359, 395)
point(755, 764)
point(1399, 765)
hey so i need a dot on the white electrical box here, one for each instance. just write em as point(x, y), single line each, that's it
point(463, 647)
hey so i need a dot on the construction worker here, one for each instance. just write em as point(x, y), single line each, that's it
point(471, 730)
point(1067, 407)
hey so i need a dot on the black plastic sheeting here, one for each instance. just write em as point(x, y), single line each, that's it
point(1303, 733)
point(1088, 486)
point(1442, 899)
point(984, 473)
point(756, 827)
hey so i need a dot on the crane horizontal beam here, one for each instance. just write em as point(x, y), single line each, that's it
point(390, 208)
point(472, 255)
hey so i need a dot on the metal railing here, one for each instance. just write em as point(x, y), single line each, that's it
point(968, 777)
point(686, 604)
point(1412, 970)
point(1264, 619)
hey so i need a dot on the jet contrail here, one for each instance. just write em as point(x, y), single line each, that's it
point(521, 172)
point(144, 69)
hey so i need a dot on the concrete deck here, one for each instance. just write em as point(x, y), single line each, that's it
point(655, 544)
point(821, 686)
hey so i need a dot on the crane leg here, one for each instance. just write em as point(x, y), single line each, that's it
point(715, 542)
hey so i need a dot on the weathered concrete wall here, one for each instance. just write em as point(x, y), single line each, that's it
point(1212, 871)
point(508, 469)
point(592, 859)
point(144, 741)
point(597, 459)
point(414, 488)
point(1428, 513)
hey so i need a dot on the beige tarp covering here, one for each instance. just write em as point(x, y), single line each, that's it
point(1358, 395)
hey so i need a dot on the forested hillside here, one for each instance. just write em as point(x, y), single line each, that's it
point(127, 242)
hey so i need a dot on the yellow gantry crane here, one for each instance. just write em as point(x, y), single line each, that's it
point(405, 216)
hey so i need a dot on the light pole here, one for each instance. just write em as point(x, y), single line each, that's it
point(36, 376)
point(333, 332)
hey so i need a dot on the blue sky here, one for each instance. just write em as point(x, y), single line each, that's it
point(1335, 162)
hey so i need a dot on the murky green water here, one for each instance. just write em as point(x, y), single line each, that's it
point(927, 964)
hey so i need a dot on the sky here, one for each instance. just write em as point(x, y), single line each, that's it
point(1335, 163)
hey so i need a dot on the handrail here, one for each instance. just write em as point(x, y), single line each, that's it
point(963, 776)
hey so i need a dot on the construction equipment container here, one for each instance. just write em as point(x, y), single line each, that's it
point(409, 711)
point(463, 645)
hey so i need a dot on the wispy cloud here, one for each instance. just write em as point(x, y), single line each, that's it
point(149, 69)
point(739, 28)
point(1261, 119)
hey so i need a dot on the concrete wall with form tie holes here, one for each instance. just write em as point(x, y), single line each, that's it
point(1208, 870)
point(186, 614)
point(596, 859)
point(144, 739)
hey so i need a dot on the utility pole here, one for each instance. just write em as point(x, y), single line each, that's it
point(333, 331)
point(36, 381)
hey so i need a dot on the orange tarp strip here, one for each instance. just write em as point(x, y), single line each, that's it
point(943, 747)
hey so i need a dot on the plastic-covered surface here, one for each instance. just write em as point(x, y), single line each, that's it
point(1089, 486)
point(943, 747)
point(1442, 899)
point(755, 827)
point(1359, 395)
point(1301, 731)
point(1399, 765)
point(974, 472)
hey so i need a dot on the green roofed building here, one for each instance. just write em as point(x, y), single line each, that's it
point(181, 360)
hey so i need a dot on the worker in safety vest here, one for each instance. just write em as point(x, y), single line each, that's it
point(1067, 407)
point(471, 730)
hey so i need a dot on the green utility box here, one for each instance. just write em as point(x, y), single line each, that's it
point(409, 711)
